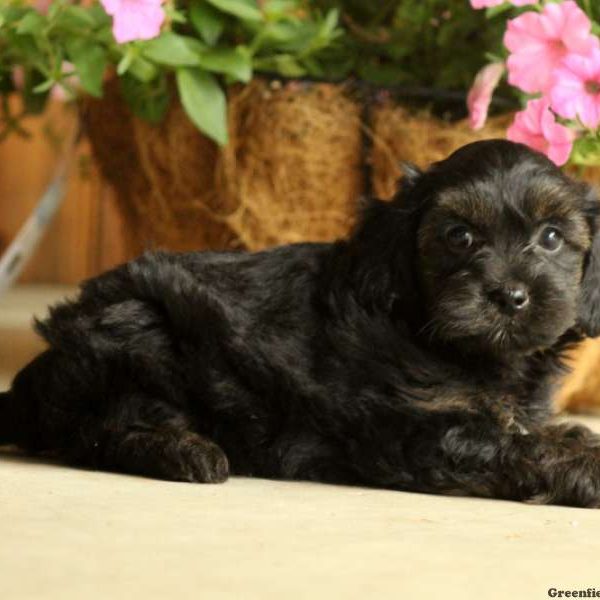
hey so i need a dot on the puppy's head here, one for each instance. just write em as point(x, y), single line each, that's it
point(507, 251)
point(493, 250)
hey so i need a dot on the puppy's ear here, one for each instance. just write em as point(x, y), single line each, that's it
point(589, 303)
point(382, 250)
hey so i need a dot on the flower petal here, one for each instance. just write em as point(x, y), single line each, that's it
point(135, 19)
point(480, 95)
point(537, 128)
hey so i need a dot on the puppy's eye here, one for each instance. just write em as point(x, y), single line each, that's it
point(459, 238)
point(551, 239)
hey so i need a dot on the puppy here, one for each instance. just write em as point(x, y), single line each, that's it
point(418, 354)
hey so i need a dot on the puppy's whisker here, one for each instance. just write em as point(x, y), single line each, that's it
point(427, 327)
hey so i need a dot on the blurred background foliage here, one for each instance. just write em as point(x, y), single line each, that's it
point(433, 43)
point(206, 45)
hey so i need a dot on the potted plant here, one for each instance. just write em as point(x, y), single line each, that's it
point(244, 122)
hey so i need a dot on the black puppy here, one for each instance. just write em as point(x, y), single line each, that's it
point(418, 354)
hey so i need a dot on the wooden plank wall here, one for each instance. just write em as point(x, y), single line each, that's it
point(87, 235)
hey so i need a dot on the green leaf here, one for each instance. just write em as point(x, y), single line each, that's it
point(493, 58)
point(44, 87)
point(330, 23)
point(204, 102)
point(231, 61)
point(125, 62)
point(494, 11)
point(174, 50)
point(174, 15)
point(98, 15)
point(142, 69)
point(294, 37)
point(25, 47)
point(207, 21)
point(131, 62)
point(75, 16)
point(105, 36)
point(90, 60)
point(285, 32)
point(586, 151)
point(31, 23)
point(12, 14)
point(279, 8)
point(150, 102)
point(284, 64)
point(54, 10)
point(244, 9)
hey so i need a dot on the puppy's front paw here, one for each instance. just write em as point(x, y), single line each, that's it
point(197, 460)
point(575, 482)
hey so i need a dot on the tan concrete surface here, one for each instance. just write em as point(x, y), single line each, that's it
point(18, 343)
point(74, 534)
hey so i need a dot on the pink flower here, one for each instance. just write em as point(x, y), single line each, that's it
point(576, 88)
point(539, 41)
point(490, 3)
point(537, 128)
point(135, 19)
point(486, 3)
point(480, 94)
point(43, 5)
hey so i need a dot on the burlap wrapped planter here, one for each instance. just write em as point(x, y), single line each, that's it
point(292, 170)
point(400, 135)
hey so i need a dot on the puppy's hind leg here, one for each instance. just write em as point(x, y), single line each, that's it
point(160, 451)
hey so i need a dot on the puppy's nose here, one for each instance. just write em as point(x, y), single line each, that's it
point(511, 298)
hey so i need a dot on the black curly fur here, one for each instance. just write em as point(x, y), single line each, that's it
point(382, 360)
